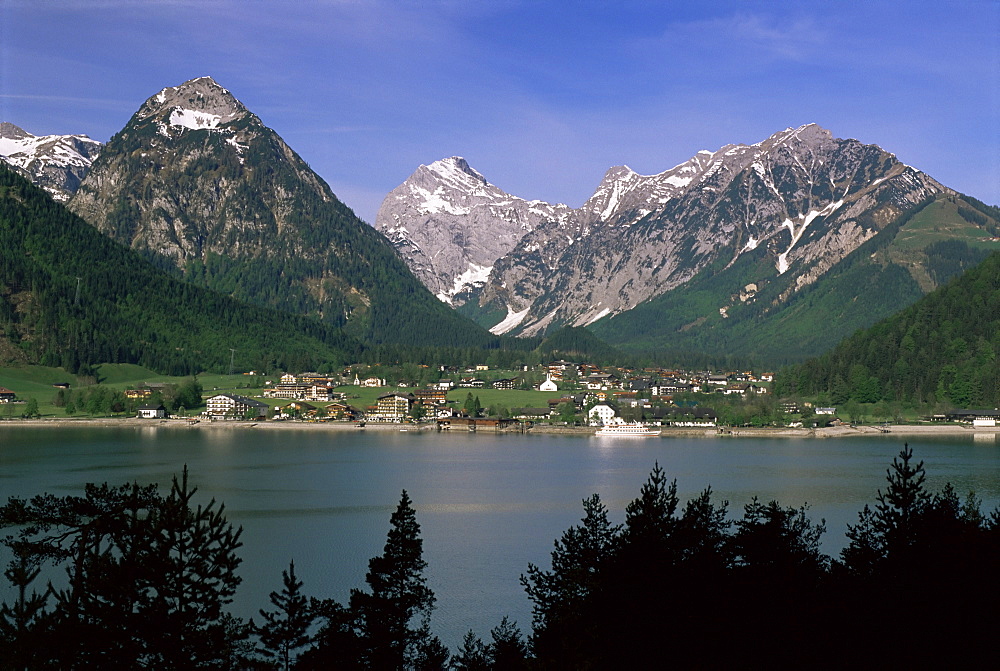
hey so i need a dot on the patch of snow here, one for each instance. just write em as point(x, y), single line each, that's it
point(797, 234)
point(511, 321)
point(474, 274)
point(193, 119)
point(22, 151)
point(239, 147)
point(679, 182)
point(602, 313)
point(434, 203)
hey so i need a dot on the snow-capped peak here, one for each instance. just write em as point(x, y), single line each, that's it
point(196, 104)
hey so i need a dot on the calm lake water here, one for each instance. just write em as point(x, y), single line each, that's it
point(487, 504)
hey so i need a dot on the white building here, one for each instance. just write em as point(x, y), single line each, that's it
point(231, 405)
point(548, 385)
point(601, 414)
point(151, 411)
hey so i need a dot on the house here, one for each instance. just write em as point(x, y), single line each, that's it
point(341, 410)
point(151, 411)
point(601, 381)
point(445, 384)
point(444, 412)
point(297, 409)
point(601, 414)
point(6, 395)
point(142, 392)
point(978, 418)
point(472, 383)
point(826, 411)
point(233, 406)
point(510, 383)
point(288, 389)
point(431, 396)
point(288, 378)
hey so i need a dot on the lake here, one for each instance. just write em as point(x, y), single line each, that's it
point(487, 504)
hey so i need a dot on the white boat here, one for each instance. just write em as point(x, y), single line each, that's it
point(627, 429)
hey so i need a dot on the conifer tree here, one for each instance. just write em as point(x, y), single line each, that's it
point(904, 501)
point(399, 597)
point(286, 628)
point(562, 595)
point(472, 656)
point(508, 651)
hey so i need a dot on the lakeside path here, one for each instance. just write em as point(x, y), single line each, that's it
point(190, 424)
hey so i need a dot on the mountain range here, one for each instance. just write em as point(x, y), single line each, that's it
point(690, 258)
point(772, 251)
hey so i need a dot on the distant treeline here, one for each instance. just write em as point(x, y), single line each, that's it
point(678, 585)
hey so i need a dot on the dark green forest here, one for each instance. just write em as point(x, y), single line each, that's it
point(680, 584)
point(944, 349)
point(71, 297)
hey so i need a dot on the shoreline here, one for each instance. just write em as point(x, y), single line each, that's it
point(667, 432)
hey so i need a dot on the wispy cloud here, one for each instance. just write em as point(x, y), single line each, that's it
point(102, 103)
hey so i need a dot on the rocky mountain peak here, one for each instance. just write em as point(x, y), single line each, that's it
point(12, 132)
point(196, 104)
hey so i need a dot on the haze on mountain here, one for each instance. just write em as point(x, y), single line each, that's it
point(198, 184)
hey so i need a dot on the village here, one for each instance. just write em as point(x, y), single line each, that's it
point(576, 394)
point(545, 396)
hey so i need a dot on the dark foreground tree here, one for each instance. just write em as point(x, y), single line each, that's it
point(286, 629)
point(920, 567)
point(391, 619)
point(561, 595)
point(146, 578)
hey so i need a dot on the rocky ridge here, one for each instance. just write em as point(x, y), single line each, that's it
point(805, 198)
point(57, 163)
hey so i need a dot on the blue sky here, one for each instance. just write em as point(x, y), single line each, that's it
point(540, 97)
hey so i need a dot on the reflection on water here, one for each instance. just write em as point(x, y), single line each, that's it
point(488, 505)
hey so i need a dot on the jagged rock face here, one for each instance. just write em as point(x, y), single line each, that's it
point(451, 225)
point(808, 198)
point(178, 179)
point(57, 163)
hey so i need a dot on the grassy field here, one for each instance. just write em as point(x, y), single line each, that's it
point(941, 221)
point(36, 382)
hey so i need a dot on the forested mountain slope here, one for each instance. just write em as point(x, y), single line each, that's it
point(71, 297)
point(943, 349)
point(200, 185)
